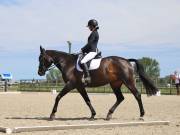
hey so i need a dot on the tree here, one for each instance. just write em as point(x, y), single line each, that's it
point(165, 80)
point(54, 75)
point(151, 67)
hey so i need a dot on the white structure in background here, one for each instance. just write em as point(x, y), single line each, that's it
point(5, 77)
point(158, 93)
point(168, 85)
point(53, 91)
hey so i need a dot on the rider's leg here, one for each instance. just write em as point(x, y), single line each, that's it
point(87, 58)
point(87, 78)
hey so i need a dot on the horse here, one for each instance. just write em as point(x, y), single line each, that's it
point(113, 70)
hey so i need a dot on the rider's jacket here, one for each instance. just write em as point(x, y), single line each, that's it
point(91, 46)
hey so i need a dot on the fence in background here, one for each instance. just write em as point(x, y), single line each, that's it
point(10, 86)
point(45, 86)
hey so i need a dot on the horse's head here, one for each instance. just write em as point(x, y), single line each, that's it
point(45, 61)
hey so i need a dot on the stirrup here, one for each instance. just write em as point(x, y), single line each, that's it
point(86, 80)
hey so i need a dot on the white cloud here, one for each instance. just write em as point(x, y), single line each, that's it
point(26, 24)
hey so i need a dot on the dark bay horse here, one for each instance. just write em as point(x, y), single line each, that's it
point(113, 70)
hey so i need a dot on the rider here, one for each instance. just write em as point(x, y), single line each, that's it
point(90, 49)
point(177, 81)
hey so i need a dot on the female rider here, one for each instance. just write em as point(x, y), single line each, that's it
point(90, 49)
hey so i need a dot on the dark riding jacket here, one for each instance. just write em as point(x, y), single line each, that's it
point(91, 46)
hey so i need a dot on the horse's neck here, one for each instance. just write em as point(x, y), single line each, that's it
point(62, 60)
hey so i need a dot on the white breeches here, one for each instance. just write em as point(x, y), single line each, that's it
point(88, 57)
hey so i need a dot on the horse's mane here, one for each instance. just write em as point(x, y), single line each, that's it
point(61, 53)
point(74, 56)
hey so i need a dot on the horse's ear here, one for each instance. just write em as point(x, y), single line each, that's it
point(42, 50)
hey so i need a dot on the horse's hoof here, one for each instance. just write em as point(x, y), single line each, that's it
point(142, 114)
point(92, 118)
point(108, 117)
point(52, 117)
point(141, 118)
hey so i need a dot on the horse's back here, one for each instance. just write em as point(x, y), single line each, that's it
point(116, 65)
point(116, 60)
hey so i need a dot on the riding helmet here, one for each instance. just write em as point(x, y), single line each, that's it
point(93, 23)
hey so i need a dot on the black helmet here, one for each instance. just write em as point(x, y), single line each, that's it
point(93, 23)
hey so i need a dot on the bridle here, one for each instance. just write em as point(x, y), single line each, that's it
point(43, 67)
point(51, 67)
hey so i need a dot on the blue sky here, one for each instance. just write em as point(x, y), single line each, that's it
point(131, 29)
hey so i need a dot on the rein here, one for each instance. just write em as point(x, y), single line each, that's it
point(51, 67)
point(54, 64)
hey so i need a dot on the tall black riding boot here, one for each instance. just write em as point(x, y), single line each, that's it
point(87, 78)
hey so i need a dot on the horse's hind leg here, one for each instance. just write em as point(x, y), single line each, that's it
point(119, 99)
point(131, 86)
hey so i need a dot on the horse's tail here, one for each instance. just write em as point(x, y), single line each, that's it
point(151, 89)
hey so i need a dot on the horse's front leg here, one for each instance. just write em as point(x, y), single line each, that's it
point(85, 96)
point(68, 87)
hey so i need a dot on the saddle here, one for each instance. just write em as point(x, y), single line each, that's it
point(92, 64)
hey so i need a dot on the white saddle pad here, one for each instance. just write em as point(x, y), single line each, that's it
point(94, 64)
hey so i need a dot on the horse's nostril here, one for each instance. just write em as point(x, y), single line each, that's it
point(39, 73)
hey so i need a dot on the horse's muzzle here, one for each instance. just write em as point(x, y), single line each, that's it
point(41, 73)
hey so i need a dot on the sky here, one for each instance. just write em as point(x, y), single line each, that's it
point(130, 29)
